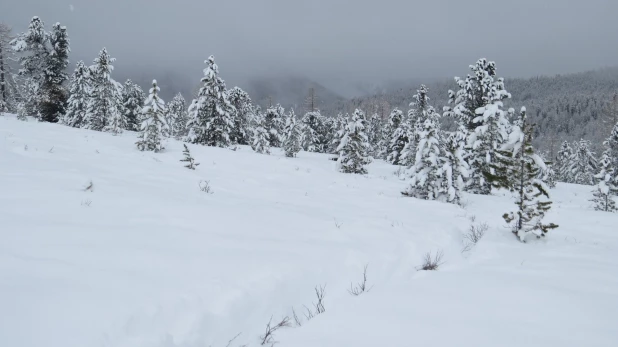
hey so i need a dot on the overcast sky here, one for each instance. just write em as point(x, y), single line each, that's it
point(335, 42)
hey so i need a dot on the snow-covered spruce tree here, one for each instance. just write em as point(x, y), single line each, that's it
point(176, 116)
point(211, 121)
point(259, 141)
point(612, 145)
point(426, 181)
point(105, 102)
point(375, 134)
point(583, 164)
point(153, 124)
point(9, 88)
point(454, 166)
point(54, 95)
point(33, 49)
point(531, 207)
point(191, 164)
point(78, 101)
point(274, 120)
point(132, 101)
point(400, 137)
point(393, 122)
point(241, 132)
point(354, 146)
point(563, 160)
point(292, 136)
point(313, 132)
point(607, 187)
point(337, 130)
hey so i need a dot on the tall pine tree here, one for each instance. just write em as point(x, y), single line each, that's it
point(400, 137)
point(583, 164)
point(274, 120)
point(177, 116)
point(292, 136)
point(153, 125)
point(354, 146)
point(563, 160)
point(607, 187)
point(132, 103)
point(211, 117)
point(105, 103)
point(241, 132)
point(78, 101)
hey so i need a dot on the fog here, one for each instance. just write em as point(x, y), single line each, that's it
point(339, 43)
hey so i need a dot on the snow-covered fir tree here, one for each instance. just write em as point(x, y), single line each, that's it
point(399, 137)
point(605, 191)
point(9, 86)
point(132, 101)
point(241, 132)
point(292, 136)
point(314, 132)
point(454, 165)
point(211, 117)
point(426, 181)
point(176, 116)
point(259, 141)
point(390, 125)
point(532, 193)
point(563, 160)
point(274, 120)
point(53, 93)
point(105, 101)
point(583, 164)
point(191, 164)
point(78, 101)
point(153, 124)
point(337, 130)
point(354, 146)
point(374, 133)
point(612, 145)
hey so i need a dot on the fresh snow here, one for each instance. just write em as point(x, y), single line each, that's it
point(155, 262)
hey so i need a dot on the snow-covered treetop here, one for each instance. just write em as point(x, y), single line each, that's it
point(103, 64)
point(155, 89)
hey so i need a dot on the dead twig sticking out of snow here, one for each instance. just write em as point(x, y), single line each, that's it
point(319, 306)
point(205, 187)
point(25, 147)
point(338, 225)
point(309, 314)
point(89, 187)
point(268, 337)
point(474, 235)
point(232, 340)
point(86, 203)
point(297, 320)
point(51, 150)
point(432, 263)
point(360, 287)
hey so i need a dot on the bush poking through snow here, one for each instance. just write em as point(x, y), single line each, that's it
point(319, 293)
point(86, 203)
point(205, 187)
point(89, 187)
point(268, 338)
point(297, 320)
point(360, 287)
point(191, 164)
point(474, 235)
point(432, 263)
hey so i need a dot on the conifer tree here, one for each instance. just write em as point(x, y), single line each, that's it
point(313, 132)
point(292, 136)
point(241, 132)
point(54, 94)
point(354, 146)
point(104, 104)
point(211, 117)
point(177, 116)
point(153, 125)
point(607, 187)
point(375, 134)
point(274, 120)
point(612, 145)
point(563, 160)
point(426, 181)
point(531, 207)
point(78, 101)
point(583, 164)
point(400, 138)
point(9, 89)
point(337, 130)
point(260, 142)
point(191, 164)
point(454, 166)
point(390, 126)
point(132, 103)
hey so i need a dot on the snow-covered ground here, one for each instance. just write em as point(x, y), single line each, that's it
point(147, 259)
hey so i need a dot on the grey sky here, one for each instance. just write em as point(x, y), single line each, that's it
point(335, 42)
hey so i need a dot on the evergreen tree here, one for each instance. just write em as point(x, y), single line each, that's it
point(9, 89)
point(375, 134)
point(211, 117)
point(191, 164)
point(54, 95)
point(260, 142)
point(426, 173)
point(153, 125)
point(583, 164)
point(314, 132)
point(354, 146)
point(104, 104)
point(292, 136)
point(400, 137)
point(274, 120)
point(612, 145)
point(392, 124)
point(607, 186)
point(177, 116)
point(337, 130)
point(244, 113)
point(78, 101)
point(132, 98)
point(563, 160)
point(454, 166)
point(531, 208)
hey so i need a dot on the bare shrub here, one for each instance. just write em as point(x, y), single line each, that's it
point(432, 262)
point(297, 320)
point(86, 203)
point(51, 150)
point(229, 343)
point(474, 235)
point(337, 224)
point(360, 287)
point(205, 187)
point(268, 337)
point(319, 293)
point(89, 187)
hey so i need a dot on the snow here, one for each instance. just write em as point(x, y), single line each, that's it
point(155, 262)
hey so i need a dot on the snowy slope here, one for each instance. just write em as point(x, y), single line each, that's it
point(154, 261)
